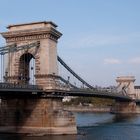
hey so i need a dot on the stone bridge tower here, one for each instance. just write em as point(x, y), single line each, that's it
point(126, 85)
point(34, 113)
point(45, 55)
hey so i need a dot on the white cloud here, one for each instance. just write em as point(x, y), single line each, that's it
point(135, 60)
point(95, 40)
point(112, 61)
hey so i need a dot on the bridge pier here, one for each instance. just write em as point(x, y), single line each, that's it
point(35, 116)
point(123, 107)
point(127, 88)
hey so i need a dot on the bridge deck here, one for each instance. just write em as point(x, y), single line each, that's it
point(9, 87)
point(15, 89)
point(89, 93)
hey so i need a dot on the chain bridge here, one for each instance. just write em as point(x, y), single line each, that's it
point(34, 79)
point(24, 82)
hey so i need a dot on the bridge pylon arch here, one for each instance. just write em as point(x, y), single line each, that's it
point(25, 68)
point(45, 54)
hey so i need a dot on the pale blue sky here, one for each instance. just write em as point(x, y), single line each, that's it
point(101, 38)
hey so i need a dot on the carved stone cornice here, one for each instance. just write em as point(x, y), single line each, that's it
point(32, 34)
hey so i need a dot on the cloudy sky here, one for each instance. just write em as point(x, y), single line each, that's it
point(101, 38)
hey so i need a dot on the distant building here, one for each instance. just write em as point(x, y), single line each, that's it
point(67, 98)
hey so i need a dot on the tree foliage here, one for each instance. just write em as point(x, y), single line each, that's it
point(90, 100)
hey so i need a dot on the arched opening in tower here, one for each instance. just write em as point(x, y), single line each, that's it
point(27, 69)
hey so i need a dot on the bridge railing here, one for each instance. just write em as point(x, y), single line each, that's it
point(19, 86)
point(62, 84)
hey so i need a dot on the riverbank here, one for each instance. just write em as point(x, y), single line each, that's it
point(86, 109)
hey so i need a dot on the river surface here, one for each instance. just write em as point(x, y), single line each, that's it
point(96, 126)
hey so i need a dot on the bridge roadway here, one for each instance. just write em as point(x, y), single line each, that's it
point(90, 93)
point(8, 89)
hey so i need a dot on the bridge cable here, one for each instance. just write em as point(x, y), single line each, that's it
point(67, 82)
point(9, 67)
point(73, 73)
point(1, 68)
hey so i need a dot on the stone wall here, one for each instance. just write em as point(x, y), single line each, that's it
point(36, 116)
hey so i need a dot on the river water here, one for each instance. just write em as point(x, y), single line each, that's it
point(96, 126)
